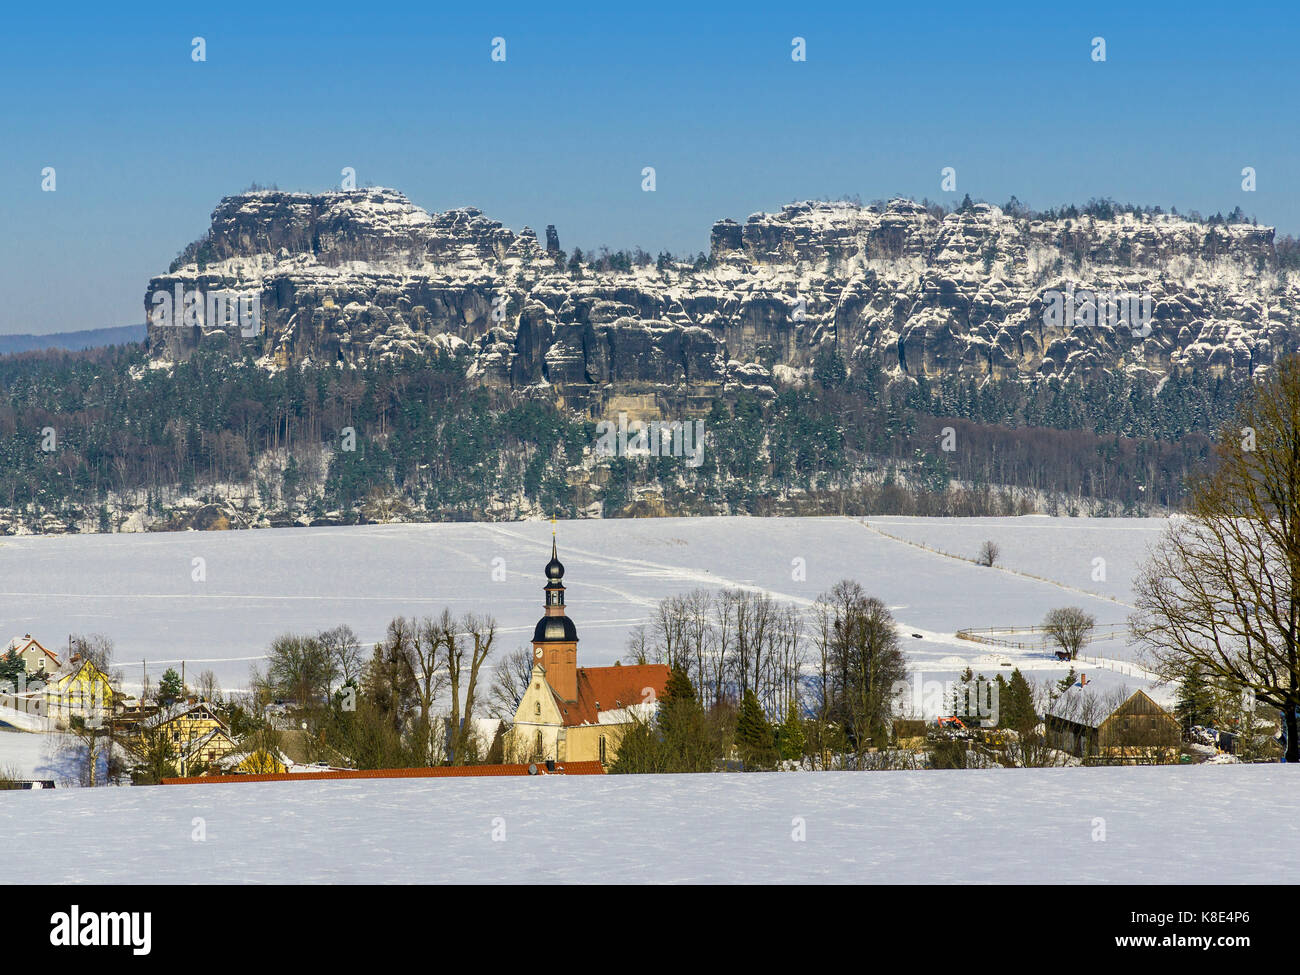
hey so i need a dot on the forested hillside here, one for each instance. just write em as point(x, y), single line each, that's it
point(104, 440)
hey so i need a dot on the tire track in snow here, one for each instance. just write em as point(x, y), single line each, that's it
point(1128, 668)
point(1015, 572)
point(679, 573)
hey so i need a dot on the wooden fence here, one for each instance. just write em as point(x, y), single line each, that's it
point(997, 636)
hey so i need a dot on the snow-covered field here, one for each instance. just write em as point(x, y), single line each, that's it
point(1155, 825)
point(32, 756)
point(1163, 825)
point(160, 605)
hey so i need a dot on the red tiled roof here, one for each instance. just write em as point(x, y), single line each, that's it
point(19, 644)
point(608, 688)
point(442, 771)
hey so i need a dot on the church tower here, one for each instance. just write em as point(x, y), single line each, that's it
point(555, 640)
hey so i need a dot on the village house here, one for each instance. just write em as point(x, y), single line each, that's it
point(195, 730)
point(185, 721)
point(198, 754)
point(1132, 730)
point(204, 745)
point(79, 689)
point(577, 714)
point(37, 659)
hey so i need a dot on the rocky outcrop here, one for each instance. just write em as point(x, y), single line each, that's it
point(359, 275)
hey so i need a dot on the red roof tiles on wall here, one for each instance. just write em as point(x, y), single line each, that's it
point(439, 772)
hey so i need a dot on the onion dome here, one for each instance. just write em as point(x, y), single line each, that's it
point(554, 568)
point(555, 629)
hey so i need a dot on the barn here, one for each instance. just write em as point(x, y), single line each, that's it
point(1117, 731)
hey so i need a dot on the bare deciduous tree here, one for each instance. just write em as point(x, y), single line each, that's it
point(298, 667)
point(701, 639)
point(476, 636)
point(989, 553)
point(669, 625)
point(863, 660)
point(417, 644)
point(90, 749)
point(638, 648)
point(98, 649)
point(208, 687)
point(1069, 627)
point(509, 681)
point(1222, 589)
point(345, 648)
point(753, 615)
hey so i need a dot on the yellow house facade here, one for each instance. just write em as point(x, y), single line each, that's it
point(185, 722)
point(194, 729)
point(79, 690)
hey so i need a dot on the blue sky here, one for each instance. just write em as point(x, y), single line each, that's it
point(145, 141)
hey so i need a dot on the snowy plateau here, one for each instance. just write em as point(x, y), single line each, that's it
point(1227, 824)
point(364, 275)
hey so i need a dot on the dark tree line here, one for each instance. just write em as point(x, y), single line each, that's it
point(420, 438)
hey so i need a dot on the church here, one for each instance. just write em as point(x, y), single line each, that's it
point(576, 714)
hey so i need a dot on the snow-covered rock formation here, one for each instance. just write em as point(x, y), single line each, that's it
point(358, 275)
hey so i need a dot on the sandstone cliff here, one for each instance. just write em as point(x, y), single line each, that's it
point(352, 276)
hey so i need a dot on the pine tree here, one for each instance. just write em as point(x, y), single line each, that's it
point(679, 694)
point(829, 370)
point(960, 705)
point(1195, 702)
point(791, 735)
point(754, 734)
point(169, 688)
point(11, 668)
point(1017, 705)
point(684, 733)
point(1068, 681)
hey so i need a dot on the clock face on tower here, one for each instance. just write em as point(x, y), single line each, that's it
point(538, 653)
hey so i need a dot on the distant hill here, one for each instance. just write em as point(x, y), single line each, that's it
point(89, 338)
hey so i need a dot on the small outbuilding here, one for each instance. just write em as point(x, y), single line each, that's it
point(1133, 730)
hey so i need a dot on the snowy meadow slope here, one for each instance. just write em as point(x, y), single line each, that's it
point(1153, 825)
point(216, 599)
